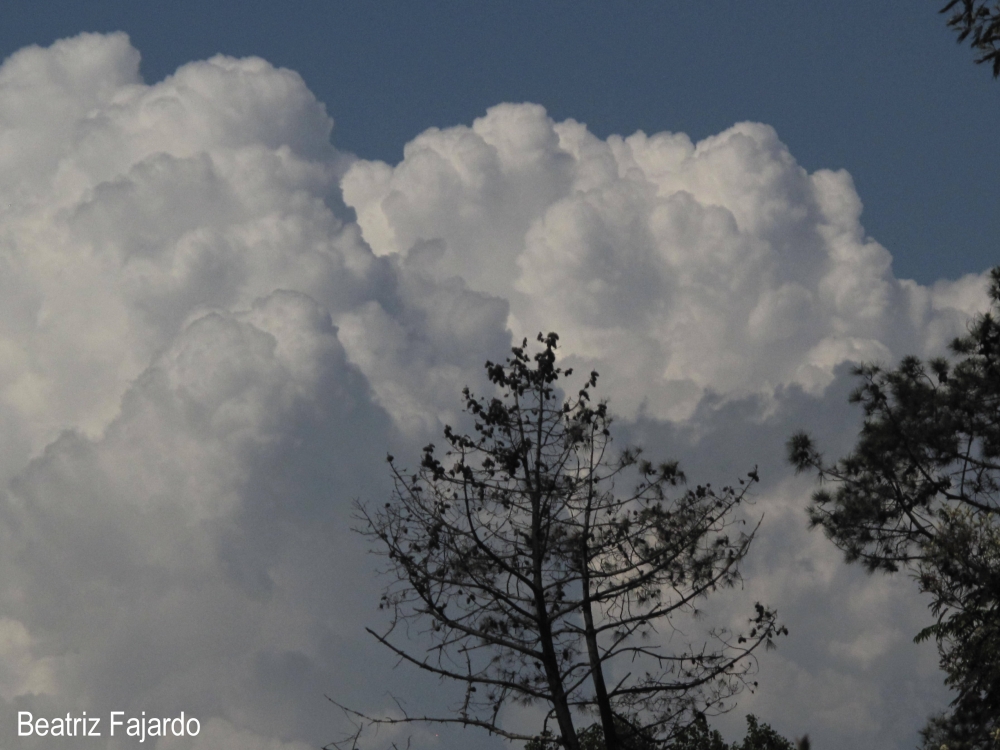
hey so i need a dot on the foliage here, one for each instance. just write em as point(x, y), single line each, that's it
point(759, 737)
point(695, 736)
point(964, 728)
point(921, 491)
point(630, 737)
point(532, 577)
point(973, 18)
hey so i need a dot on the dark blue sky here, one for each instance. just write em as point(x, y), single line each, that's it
point(881, 89)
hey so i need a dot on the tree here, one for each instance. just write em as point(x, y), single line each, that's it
point(533, 578)
point(695, 736)
point(759, 737)
point(920, 492)
point(974, 18)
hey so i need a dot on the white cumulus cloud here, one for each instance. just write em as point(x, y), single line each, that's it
point(214, 325)
point(721, 266)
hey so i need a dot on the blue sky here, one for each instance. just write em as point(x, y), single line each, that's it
point(214, 323)
point(879, 89)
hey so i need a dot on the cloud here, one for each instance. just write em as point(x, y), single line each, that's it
point(214, 325)
point(185, 430)
point(721, 266)
point(219, 734)
point(176, 552)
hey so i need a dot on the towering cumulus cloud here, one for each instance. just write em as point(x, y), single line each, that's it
point(213, 325)
point(719, 266)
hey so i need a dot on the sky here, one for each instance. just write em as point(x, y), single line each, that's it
point(250, 249)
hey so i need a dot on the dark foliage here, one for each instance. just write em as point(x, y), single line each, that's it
point(965, 727)
point(758, 737)
point(976, 21)
point(629, 737)
point(921, 492)
point(695, 736)
point(521, 569)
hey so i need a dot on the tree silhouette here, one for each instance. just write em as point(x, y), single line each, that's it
point(975, 19)
point(695, 736)
point(920, 492)
point(532, 577)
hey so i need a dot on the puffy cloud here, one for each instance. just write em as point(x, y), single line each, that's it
point(214, 325)
point(147, 202)
point(185, 431)
point(642, 250)
point(155, 564)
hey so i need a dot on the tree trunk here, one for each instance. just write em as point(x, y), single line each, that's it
point(549, 658)
point(559, 702)
point(590, 634)
point(596, 670)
